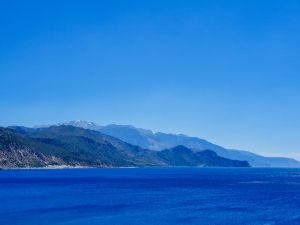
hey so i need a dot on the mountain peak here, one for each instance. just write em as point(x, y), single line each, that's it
point(80, 123)
point(75, 123)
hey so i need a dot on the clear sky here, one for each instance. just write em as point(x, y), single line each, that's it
point(226, 71)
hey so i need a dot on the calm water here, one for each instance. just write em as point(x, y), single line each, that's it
point(150, 196)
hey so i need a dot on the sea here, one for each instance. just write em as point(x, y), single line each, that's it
point(146, 196)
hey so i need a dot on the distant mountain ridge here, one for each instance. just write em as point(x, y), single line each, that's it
point(183, 156)
point(159, 141)
point(71, 146)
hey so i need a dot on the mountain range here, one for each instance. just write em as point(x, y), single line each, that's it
point(158, 141)
point(87, 144)
point(73, 146)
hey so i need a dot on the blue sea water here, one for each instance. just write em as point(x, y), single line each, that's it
point(150, 196)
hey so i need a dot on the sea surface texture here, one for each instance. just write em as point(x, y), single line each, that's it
point(150, 196)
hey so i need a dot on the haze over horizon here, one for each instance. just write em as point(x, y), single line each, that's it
point(224, 72)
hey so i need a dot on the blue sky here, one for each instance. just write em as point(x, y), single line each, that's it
point(226, 71)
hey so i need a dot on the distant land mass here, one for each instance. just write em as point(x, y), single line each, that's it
point(73, 146)
point(159, 141)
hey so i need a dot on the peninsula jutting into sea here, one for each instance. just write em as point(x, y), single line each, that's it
point(86, 144)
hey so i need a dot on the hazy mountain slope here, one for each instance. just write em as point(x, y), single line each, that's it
point(159, 141)
point(255, 159)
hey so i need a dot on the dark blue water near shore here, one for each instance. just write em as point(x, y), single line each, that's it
point(150, 196)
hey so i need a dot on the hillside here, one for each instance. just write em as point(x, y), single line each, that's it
point(72, 146)
point(182, 156)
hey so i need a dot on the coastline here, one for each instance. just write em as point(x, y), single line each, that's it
point(62, 167)
point(48, 168)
